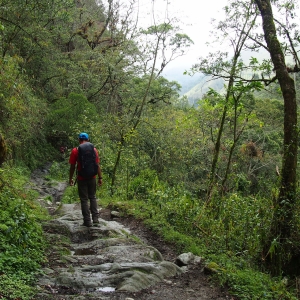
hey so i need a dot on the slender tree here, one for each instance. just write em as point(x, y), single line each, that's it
point(279, 246)
point(162, 37)
point(240, 20)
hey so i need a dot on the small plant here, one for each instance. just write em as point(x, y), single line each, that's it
point(59, 171)
point(13, 287)
point(70, 195)
point(21, 236)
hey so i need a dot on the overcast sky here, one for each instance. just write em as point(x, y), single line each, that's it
point(194, 18)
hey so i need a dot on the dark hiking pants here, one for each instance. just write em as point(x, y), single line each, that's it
point(87, 192)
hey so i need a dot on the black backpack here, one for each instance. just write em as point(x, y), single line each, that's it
point(87, 160)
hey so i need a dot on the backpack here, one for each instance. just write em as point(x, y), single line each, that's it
point(87, 160)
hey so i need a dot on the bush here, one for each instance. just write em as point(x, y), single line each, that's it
point(13, 287)
point(21, 235)
point(228, 231)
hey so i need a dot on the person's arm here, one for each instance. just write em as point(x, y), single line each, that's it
point(71, 173)
point(72, 162)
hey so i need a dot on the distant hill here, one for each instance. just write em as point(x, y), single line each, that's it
point(202, 87)
point(194, 87)
point(187, 82)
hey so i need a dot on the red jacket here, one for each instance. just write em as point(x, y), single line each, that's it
point(73, 160)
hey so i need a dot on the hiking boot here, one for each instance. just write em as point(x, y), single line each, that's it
point(87, 224)
point(96, 221)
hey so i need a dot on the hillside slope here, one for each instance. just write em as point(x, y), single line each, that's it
point(202, 87)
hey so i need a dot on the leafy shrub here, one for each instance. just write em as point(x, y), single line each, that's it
point(140, 187)
point(247, 283)
point(70, 115)
point(59, 171)
point(235, 223)
point(21, 236)
point(70, 195)
point(13, 287)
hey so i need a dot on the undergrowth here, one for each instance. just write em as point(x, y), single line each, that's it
point(21, 238)
point(228, 233)
point(229, 237)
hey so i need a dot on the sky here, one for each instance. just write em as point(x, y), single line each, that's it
point(194, 18)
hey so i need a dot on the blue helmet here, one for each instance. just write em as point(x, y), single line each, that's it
point(83, 136)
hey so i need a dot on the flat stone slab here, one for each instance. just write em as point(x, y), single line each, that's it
point(106, 257)
point(130, 277)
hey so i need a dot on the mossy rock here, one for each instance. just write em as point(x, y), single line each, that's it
point(213, 268)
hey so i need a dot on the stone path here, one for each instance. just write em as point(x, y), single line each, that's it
point(102, 258)
point(108, 261)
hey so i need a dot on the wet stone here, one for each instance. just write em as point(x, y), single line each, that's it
point(105, 258)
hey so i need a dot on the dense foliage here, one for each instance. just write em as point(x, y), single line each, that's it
point(205, 176)
point(21, 240)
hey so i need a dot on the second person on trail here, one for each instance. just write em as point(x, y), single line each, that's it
point(87, 160)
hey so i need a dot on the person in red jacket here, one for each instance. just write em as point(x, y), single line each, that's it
point(86, 186)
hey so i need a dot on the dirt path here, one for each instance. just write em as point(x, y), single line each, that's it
point(188, 285)
point(192, 285)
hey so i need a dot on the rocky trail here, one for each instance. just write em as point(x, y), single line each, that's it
point(118, 259)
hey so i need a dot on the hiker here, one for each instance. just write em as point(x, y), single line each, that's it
point(88, 166)
point(62, 151)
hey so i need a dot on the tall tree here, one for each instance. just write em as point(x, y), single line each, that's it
point(285, 203)
point(165, 43)
point(239, 22)
point(279, 244)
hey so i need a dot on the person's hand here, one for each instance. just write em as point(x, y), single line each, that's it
point(99, 181)
point(71, 182)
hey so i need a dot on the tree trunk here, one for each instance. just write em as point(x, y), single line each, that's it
point(279, 246)
point(117, 162)
point(3, 150)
